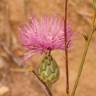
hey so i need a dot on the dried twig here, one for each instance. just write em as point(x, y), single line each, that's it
point(66, 48)
point(9, 53)
point(84, 55)
point(15, 60)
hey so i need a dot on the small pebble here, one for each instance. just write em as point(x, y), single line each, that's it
point(3, 90)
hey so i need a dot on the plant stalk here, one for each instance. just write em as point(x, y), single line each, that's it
point(84, 57)
point(66, 48)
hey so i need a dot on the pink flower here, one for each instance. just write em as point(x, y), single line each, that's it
point(44, 35)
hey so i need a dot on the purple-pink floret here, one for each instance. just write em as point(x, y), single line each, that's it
point(44, 35)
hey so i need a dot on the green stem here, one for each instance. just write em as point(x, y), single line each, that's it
point(83, 58)
point(46, 87)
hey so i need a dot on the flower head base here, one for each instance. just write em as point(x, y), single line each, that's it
point(43, 35)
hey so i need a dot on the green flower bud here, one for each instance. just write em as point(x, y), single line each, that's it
point(49, 70)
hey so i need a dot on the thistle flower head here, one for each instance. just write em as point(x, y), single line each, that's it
point(43, 35)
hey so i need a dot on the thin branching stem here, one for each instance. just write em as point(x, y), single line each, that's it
point(84, 56)
point(66, 48)
point(14, 59)
point(46, 87)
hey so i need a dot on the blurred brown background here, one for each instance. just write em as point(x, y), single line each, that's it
point(16, 12)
